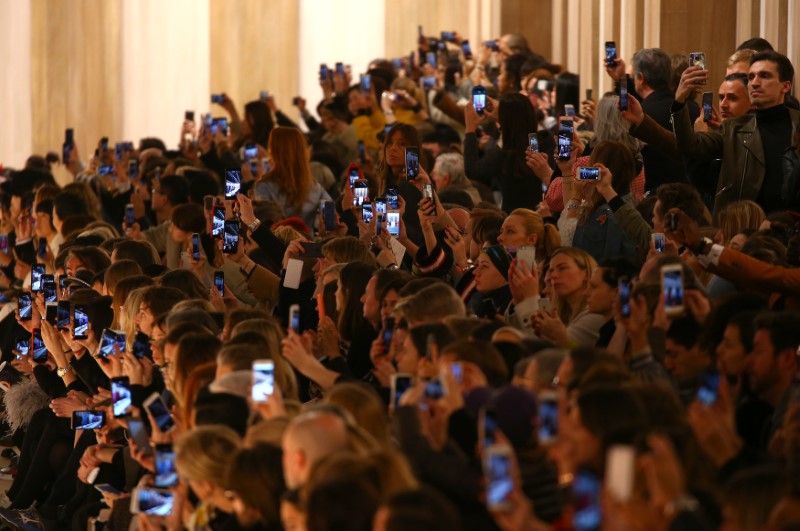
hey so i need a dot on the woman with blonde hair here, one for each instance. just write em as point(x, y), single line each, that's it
point(116, 272)
point(737, 217)
point(365, 405)
point(125, 303)
point(290, 182)
point(526, 227)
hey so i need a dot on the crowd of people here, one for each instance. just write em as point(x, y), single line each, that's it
point(463, 295)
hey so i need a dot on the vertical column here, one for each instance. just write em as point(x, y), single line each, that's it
point(744, 20)
point(607, 16)
point(16, 141)
point(571, 29)
point(652, 24)
point(559, 54)
point(629, 23)
point(793, 37)
point(165, 66)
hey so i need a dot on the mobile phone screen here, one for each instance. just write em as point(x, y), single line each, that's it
point(154, 502)
point(533, 143)
point(366, 212)
point(263, 380)
point(586, 496)
point(80, 323)
point(479, 99)
point(233, 183)
point(391, 198)
point(360, 192)
point(589, 173)
point(673, 288)
point(218, 221)
point(401, 384)
point(24, 306)
point(231, 240)
point(564, 145)
point(166, 473)
point(62, 315)
point(158, 410)
point(329, 215)
point(393, 223)
point(499, 482)
point(489, 428)
point(624, 297)
point(141, 346)
point(195, 246)
point(38, 350)
point(294, 318)
point(51, 313)
point(623, 95)
point(708, 391)
point(121, 396)
point(36, 277)
point(88, 420)
point(611, 53)
point(707, 105)
point(219, 282)
point(412, 163)
point(388, 332)
point(548, 420)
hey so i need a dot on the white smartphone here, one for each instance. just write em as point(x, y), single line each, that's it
point(620, 470)
point(527, 254)
point(659, 242)
point(153, 502)
point(672, 288)
point(499, 481)
point(294, 271)
point(545, 305)
point(157, 409)
point(263, 380)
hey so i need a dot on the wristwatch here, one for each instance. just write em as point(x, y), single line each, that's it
point(63, 371)
point(254, 225)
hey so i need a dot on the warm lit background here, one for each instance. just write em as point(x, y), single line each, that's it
point(130, 68)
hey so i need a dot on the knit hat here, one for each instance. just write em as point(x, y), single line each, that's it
point(499, 257)
point(515, 411)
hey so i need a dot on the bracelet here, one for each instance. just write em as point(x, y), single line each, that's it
point(254, 225)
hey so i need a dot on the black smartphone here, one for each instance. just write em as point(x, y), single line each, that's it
point(622, 90)
point(533, 142)
point(133, 169)
point(708, 392)
point(586, 496)
point(130, 215)
point(388, 332)
point(38, 350)
point(412, 163)
point(354, 176)
point(430, 58)
point(218, 223)
point(37, 270)
point(588, 94)
point(339, 67)
point(24, 309)
point(88, 420)
point(611, 53)
point(400, 383)
point(103, 145)
point(564, 144)
point(42, 250)
point(219, 282)
point(323, 72)
point(250, 152)
point(195, 246)
point(547, 417)
point(49, 289)
point(492, 45)
point(51, 313)
point(23, 347)
point(487, 425)
point(624, 300)
point(121, 398)
point(466, 49)
point(231, 240)
point(217, 98)
point(233, 183)
point(166, 473)
point(588, 173)
point(365, 83)
point(80, 322)
point(391, 198)
point(708, 100)
point(360, 192)
point(479, 99)
point(141, 346)
point(329, 215)
point(62, 315)
point(66, 148)
point(188, 116)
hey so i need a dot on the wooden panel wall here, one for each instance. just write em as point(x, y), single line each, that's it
point(403, 16)
point(255, 46)
point(531, 19)
point(76, 72)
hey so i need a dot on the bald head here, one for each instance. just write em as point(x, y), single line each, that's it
point(308, 438)
point(460, 216)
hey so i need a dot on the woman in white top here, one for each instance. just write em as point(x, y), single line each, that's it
point(290, 183)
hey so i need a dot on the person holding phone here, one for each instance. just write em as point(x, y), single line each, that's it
point(45, 228)
point(290, 183)
point(520, 187)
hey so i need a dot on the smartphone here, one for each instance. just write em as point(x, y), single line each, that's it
point(218, 222)
point(479, 99)
point(138, 433)
point(624, 297)
point(263, 380)
point(219, 282)
point(4, 243)
point(393, 223)
point(294, 318)
point(412, 163)
point(157, 409)
point(195, 246)
point(339, 67)
point(152, 502)
point(659, 241)
point(492, 45)
point(354, 176)
point(380, 205)
point(698, 59)
point(380, 219)
point(365, 83)
point(233, 183)
point(217, 98)
point(66, 148)
point(466, 49)
point(62, 315)
point(672, 288)
point(24, 309)
point(23, 346)
point(533, 142)
point(434, 390)
point(103, 145)
point(708, 392)
point(586, 498)
point(527, 254)
point(88, 420)
point(564, 145)
point(547, 417)
point(620, 471)
point(499, 482)
point(37, 270)
point(38, 350)
point(231, 240)
point(546, 305)
point(400, 383)
point(588, 173)
point(366, 212)
point(51, 313)
point(569, 110)
point(589, 94)
point(622, 89)
point(429, 82)
point(166, 473)
point(141, 346)
point(250, 152)
point(80, 322)
point(360, 192)
point(49, 290)
point(708, 99)
point(133, 169)
point(42, 248)
point(105, 169)
point(611, 53)
point(487, 426)
point(109, 339)
point(329, 215)
point(121, 397)
point(130, 216)
point(105, 487)
point(391, 198)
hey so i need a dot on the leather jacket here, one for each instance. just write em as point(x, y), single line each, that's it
point(737, 143)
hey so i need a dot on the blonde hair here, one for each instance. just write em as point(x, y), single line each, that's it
point(739, 56)
point(738, 216)
point(129, 300)
point(368, 410)
point(547, 237)
point(287, 233)
point(202, 453)
point(118, 271)
point(586, 263)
